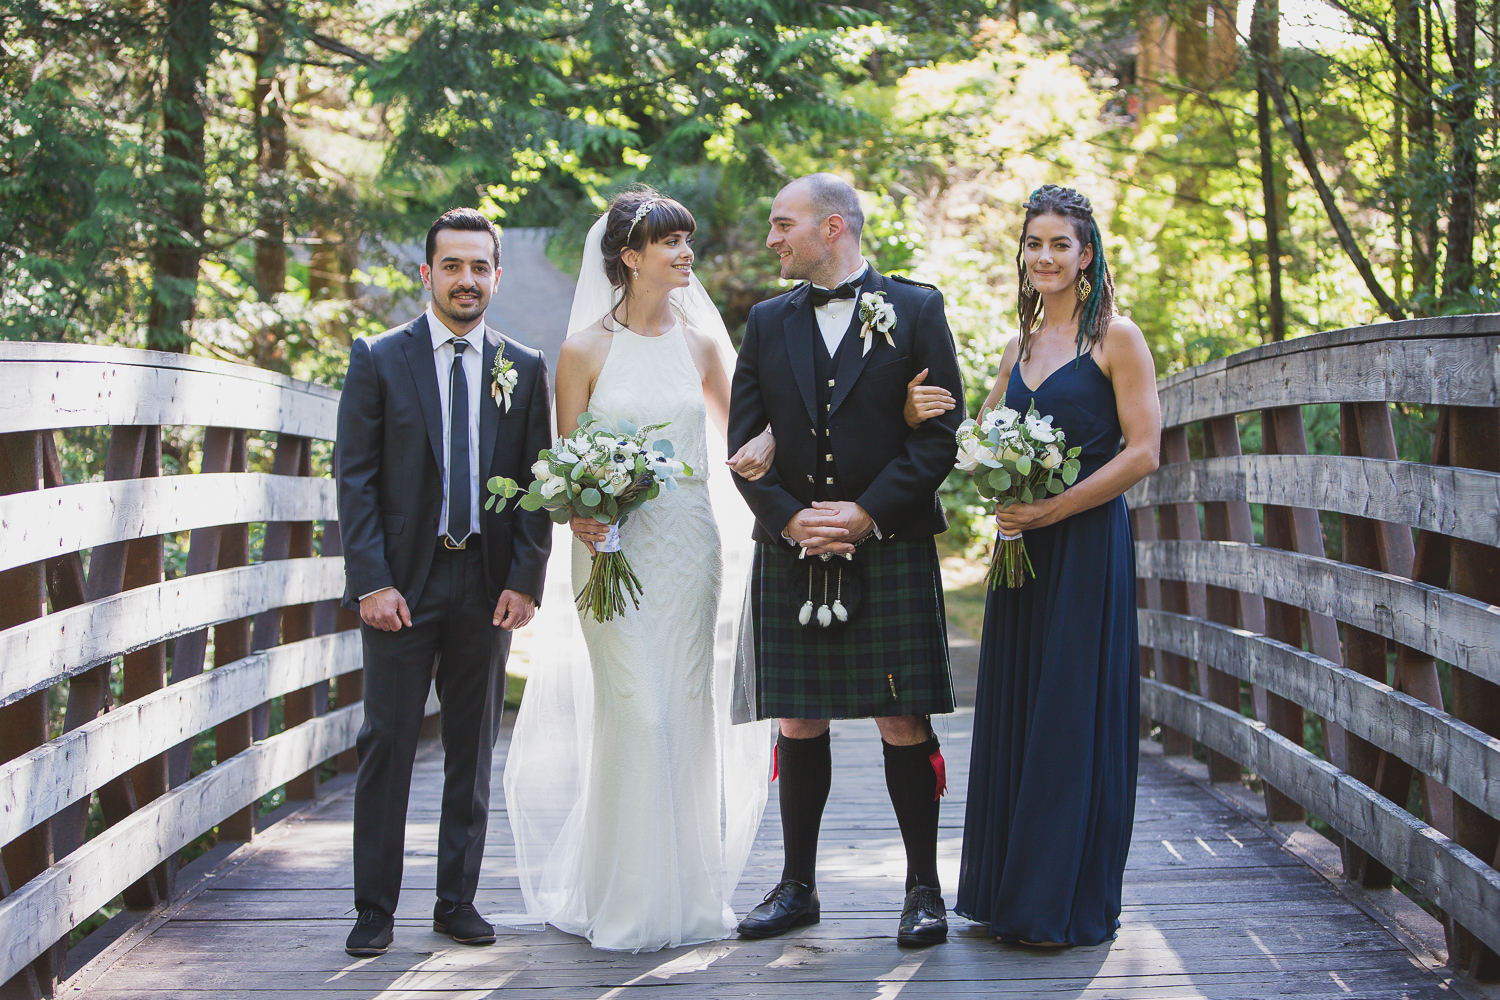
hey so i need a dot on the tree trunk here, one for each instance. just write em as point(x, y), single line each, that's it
point(1423, 137)
point(1460, 105)
point(1351, 246)
point(271, 219)
point(1264, 43)
point(178, 248)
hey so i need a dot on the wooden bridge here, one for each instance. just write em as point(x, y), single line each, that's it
point(1320, 558)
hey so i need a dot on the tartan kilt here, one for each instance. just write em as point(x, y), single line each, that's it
point(890, 658)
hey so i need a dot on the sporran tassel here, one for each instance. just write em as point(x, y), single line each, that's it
point(825, 615)
point(839, 611)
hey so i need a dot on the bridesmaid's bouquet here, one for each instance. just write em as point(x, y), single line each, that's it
point(603, 473)
point(1015, 459)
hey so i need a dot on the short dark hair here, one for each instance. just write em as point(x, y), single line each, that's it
point(466, 219)
point(832, 195)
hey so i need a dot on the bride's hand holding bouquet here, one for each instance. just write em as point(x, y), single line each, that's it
point(597, 476)
point(1015, 460)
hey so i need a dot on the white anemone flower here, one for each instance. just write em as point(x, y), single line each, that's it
point(970, 452)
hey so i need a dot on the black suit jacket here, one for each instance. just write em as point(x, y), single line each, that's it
point(389, 466)
point(889, 469)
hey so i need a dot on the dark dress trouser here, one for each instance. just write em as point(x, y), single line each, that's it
point(450, 624)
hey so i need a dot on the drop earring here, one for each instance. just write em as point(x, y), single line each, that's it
point(1084, 288)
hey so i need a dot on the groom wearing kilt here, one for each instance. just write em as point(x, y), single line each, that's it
point(846, 599)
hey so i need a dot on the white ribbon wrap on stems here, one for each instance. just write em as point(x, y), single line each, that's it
point(1000, 534)
point(611, 541)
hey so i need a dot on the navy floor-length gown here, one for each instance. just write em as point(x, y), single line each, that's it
point(1052, 777)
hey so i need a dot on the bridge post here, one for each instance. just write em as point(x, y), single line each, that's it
point(231, 643)
point(1227, 521)
point(1178, 521)
point(1474, 442)
point(23, 724)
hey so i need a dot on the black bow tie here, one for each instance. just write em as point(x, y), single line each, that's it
point(822, 296)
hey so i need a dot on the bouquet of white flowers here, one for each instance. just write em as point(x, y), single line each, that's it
point(1015, 459)
point(603, 473)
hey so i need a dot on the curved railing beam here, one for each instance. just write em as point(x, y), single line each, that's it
point(1445, 625)
point(46, 650)
point(1460, 503)
point(1455, 753)
point(44, 524)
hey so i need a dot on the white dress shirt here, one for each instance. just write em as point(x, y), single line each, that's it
point(473, 362)
point(833, 316)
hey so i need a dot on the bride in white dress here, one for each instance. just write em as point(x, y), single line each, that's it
point(632, 800)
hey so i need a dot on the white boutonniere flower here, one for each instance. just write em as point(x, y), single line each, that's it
point(875, 313)
point(502, 379)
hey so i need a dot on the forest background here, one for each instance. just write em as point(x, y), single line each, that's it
point(226, 177)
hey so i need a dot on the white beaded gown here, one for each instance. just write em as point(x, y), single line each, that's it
point(648, 831)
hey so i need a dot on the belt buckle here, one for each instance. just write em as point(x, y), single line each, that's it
point(451, 546)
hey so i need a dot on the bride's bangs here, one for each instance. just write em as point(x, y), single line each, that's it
point(666, 217)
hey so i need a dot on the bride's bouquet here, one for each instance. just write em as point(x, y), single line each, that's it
point(603, 473)
point(1015, 459)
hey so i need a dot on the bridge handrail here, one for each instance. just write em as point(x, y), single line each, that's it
point(1254, 637)
point(151, 661)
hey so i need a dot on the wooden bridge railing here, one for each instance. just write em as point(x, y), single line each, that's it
point(159, 515)
point(1362, 687)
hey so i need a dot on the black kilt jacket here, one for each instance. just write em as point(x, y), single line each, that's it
point(891, 658)
point(889, 469)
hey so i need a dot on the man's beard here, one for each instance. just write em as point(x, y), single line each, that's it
point(463, 314)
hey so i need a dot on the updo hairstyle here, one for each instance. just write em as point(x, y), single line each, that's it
point(625, 230)
point(1098, 308)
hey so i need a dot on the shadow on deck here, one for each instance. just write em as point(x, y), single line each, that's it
point(1214, 907)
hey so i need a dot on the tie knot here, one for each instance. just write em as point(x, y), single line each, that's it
point(822, 296)
point(459, 345)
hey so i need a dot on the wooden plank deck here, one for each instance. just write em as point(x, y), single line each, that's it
point(1214, 908)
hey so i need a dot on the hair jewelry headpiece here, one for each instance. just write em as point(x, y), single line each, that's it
point(640, 213)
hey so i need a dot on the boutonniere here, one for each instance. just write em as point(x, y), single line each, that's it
point(502, 379)
point(875, 313)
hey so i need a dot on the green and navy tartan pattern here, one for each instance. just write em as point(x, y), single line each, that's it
point(891, 658)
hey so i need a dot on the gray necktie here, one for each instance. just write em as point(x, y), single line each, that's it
point(458, 446)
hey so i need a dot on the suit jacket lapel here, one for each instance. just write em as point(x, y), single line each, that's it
point(419, 359)
point(489, 408)
point(853, 360)
point(800, 328)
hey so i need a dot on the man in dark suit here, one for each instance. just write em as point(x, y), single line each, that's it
point(429, 412)
point(846, 598)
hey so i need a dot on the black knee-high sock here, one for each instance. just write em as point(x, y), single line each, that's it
point(916, 779)
point(804, 773)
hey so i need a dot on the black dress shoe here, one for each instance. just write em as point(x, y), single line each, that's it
point(462, 923)
point(371, 934)
point(790, 904)
point(924, 919)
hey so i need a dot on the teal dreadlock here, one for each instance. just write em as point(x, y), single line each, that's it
point(1098, 308)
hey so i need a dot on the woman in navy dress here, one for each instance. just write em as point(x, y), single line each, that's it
point(1052, 777)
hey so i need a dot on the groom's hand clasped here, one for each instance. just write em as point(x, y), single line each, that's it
point(829, 527)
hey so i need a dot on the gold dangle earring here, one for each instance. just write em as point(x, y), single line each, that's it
point(1084, 288)
point(1026, 286)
